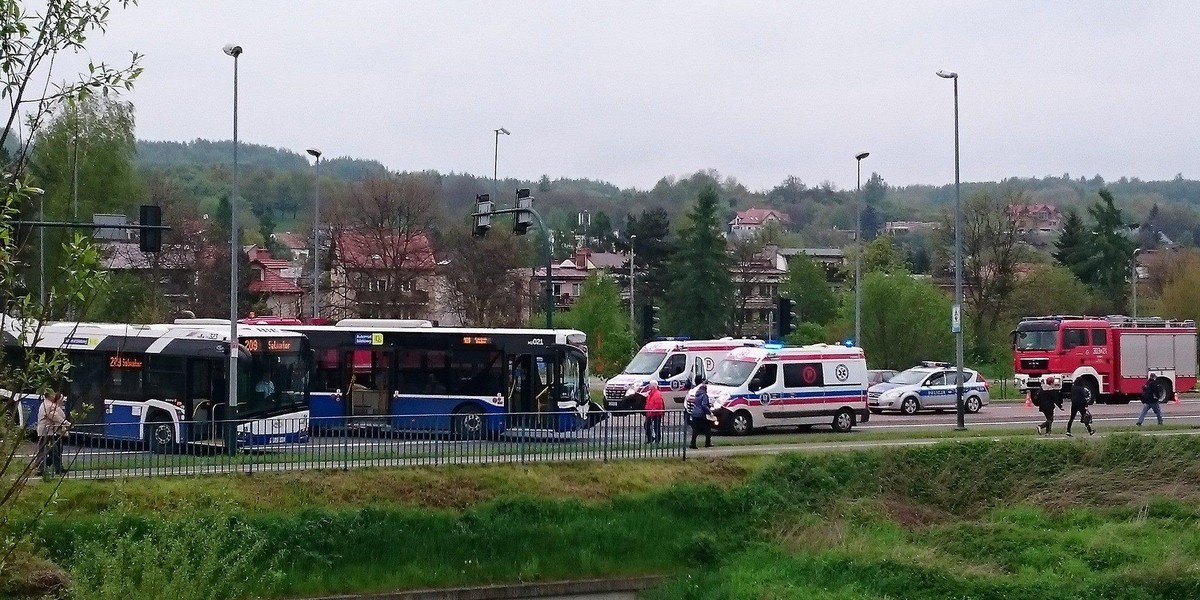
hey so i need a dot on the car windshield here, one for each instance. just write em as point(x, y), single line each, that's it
point(645, 363)
point(909, 377)
point(732, 372)
point(1037, 340)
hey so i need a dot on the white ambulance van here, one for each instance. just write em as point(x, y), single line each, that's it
point(673, 365)
point(774, 386)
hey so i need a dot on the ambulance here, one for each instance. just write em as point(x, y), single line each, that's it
point(672, 365)
point(774, 386)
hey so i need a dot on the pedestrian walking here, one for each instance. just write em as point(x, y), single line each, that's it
point(699, 417)
point(1047, 402)
point(52, 426)
point(1152, 391)
point(654, 413)
point(1080, 400)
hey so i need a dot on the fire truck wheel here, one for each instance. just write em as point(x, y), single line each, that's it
point(1167, 394)
point(972, 404)
point(1092, 390)
point(909, 406)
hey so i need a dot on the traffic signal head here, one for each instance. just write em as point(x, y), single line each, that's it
point(483, 215)
point(150, 240)
point(649, 322)
point(523, 219)
point(786, 317)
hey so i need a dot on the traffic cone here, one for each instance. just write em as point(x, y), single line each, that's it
point(1178, 398)
point(1028, 400)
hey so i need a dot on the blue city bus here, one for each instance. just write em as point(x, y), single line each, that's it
point(410, 376)
point(166, 386)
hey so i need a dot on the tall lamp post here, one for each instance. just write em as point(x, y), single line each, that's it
point(632, 322)
point(234, 249)
point(316, 238)
point(858, 252)
point(496, 156)
point(956, 316)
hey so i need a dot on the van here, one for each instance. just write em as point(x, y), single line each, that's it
point(774, 386)
point(674, 365)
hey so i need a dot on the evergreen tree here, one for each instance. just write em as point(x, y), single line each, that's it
point(1071, 248)
point(651, 249)
point(701, 292)
point(1109, 251)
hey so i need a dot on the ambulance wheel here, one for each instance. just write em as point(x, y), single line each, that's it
point(909, 406)
point(843, 421)
point(972, 405)
point(741, 423)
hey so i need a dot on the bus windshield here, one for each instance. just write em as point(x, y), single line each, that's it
point(1037, 340)
point(732, 372)
point(645, 363)
point(275, 382)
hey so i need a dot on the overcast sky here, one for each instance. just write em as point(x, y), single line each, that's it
point(631, 91)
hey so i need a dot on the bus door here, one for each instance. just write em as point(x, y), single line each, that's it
point(530, 381)
point(205, 397)
point(368, 376)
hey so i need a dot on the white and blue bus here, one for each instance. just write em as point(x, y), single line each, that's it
point(410, 376)
point(166, 385)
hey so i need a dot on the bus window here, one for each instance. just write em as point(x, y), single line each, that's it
point(124, 381)
point(164, 377)
point(474, 372)
point(329, 371)
point(572, 380)
point(88, 371)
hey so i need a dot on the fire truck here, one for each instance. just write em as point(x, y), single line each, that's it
point(1111, 357)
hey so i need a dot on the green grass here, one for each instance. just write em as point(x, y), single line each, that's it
point(946, 432)
point(974, 519)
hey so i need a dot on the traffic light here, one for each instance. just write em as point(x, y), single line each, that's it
point(649, 322)
point(150, 240)
point(786, 317)
point(483, 215)
point(523, 219)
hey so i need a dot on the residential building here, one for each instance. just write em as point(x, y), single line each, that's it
point(381, 274)
point(756, 286)
point(749, 222)
point(298, 244)
point(901, 228)
point(833, 260)
point(1036, 217)
point(276, 282)
point(567, 277)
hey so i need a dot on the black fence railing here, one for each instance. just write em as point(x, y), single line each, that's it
point(281, 444)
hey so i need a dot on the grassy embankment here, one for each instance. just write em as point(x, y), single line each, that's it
point(1015, 519)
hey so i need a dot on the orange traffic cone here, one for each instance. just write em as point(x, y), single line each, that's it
point(1178, 398)
point(1028, 400)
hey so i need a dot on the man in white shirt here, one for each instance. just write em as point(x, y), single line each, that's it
point(265, 386)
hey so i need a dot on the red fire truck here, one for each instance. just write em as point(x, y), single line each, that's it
point(1110, 356)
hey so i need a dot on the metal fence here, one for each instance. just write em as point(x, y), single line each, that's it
point(276, 445)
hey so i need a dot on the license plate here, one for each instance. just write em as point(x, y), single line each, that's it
point(278, 439)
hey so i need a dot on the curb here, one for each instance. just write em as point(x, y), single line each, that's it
point(514, 591)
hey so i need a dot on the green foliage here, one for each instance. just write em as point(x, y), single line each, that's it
point(807, 285)
point(1109, 252)
point(885, 256)
point(1181, 295)
point(1049, 290)
point(700, 298)
point(599, 314)
point(807, 333)
point(904, 321)
point(1071, 248)
point(652, 247)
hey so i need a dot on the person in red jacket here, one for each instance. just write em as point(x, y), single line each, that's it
point(654, 413)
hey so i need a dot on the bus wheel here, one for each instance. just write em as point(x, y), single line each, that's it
point(160, 435)
point(843, 421)
point(468, 423)
point(741, 423)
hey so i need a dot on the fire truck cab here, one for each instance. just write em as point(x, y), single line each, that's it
point(1111, 357)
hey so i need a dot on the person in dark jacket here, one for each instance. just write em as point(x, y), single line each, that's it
point(698, 418)
point(1080, 399)
point(1047, 402)
point(1151, 392)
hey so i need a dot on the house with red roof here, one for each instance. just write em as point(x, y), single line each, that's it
point(382, 274)
point(749, 222)
point(567, 277)
point(1036, 217)
point(276, 282)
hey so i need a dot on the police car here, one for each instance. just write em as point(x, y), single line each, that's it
point(929, 386)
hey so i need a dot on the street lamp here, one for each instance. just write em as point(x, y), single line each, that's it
point(956, 315)
point(1133, 277)
point(858, 252)
point(632, 323)
point(234, 249)
point(496, 158)
point(316, 278)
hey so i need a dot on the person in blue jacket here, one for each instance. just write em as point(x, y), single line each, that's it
point(698, 419)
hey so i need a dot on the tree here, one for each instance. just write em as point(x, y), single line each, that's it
point(1071, 248)
point(749, 272)
point(383, 263)
point(990, 253)
point(31, 42)
point(883, 255)
point(598, 313)
point(807, 285)
point(651, 250)
point(1110, 251)
point(1049, 290)
point(905, 320)
point(1181, 296)
point(699, 301)
point(485, 284)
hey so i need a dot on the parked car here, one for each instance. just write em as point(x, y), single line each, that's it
point(929, 386)
point(875, 376)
